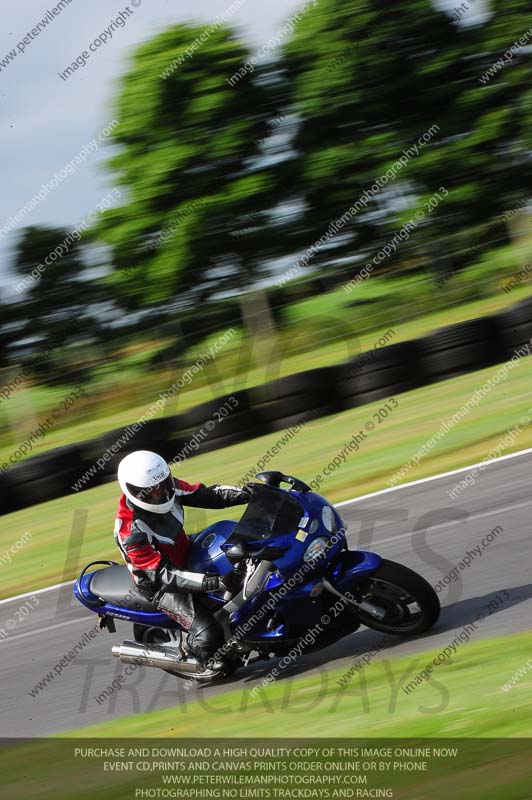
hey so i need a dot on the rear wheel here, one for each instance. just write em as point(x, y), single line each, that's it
point(411, 604)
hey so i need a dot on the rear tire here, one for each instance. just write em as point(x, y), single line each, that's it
point(400, 590)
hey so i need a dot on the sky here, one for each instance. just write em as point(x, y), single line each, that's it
point(47, 121)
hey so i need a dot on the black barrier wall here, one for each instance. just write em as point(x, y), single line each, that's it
point(279, 405)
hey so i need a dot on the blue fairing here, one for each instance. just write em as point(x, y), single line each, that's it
point(205, 553)
point(84, 595)
point(294, 585)
point(352, 567)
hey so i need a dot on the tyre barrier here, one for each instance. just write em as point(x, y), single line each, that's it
point(514, 326)
point(459, 348)
point(40, 478)
point(278, 405)
point(288, 401)
point(107, 450)
point(379, 373)
point(240, 401)
point(218, 432)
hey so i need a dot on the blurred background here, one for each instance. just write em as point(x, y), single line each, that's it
point(305, 229)
point(248, 165)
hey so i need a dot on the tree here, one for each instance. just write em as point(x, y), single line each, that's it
point(368, 79)
point(188, 144)
point(56, 311)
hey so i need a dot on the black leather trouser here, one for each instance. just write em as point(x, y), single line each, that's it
point(205, 635)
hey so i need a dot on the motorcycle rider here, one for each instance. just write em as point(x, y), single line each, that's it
point(149, 533)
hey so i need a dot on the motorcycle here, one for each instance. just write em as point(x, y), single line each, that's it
point(291, 572)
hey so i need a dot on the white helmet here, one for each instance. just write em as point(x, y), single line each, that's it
point(146, 481)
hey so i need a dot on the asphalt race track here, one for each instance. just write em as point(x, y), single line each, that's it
point(418, 525)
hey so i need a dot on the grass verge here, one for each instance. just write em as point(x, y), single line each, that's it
point(43, 559)
point(105, 409)
point(463, 699)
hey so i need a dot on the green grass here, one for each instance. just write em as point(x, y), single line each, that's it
point(385, 450)
point(462, 698)
point(405, 297)
point(336, 333)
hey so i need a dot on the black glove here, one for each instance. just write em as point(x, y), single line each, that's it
point(239, 494)
point(227, 583)
point(217, 496)
point(247, 491)
point(212, 583)
point(232, 582)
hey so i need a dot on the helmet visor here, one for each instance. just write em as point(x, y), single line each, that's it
point(155, 495)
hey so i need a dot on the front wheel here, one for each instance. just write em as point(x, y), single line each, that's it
point(411, 604)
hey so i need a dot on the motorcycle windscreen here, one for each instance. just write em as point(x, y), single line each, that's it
point(270, 512)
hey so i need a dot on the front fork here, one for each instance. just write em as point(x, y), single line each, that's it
point(362, 605)
point(253, 583)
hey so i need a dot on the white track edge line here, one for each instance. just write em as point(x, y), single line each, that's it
point(37, 591)
point(434, 477)
point(337, 505)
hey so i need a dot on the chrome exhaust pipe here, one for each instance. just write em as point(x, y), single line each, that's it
point(155, 656)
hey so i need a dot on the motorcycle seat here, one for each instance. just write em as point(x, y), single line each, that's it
point(115, 585)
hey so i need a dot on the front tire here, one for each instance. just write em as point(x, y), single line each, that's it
point(411, 603)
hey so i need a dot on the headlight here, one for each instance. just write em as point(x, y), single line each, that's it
point(329, 520)
point(317, 549)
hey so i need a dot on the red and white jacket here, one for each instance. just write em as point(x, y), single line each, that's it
point(155, 546)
